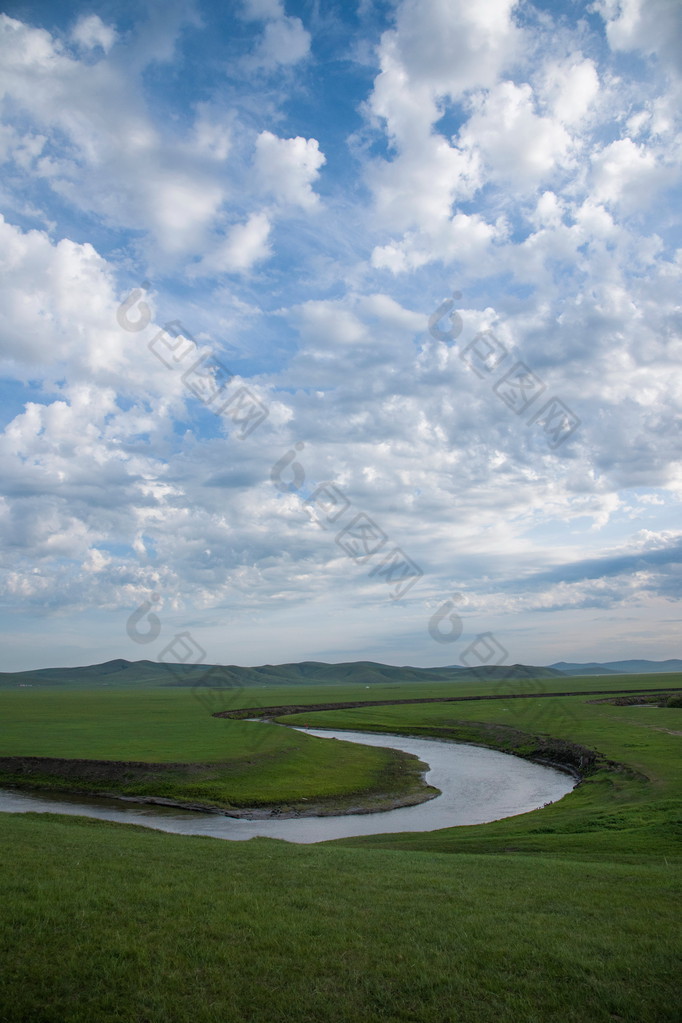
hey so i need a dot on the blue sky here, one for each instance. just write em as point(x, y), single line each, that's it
point(227, 397)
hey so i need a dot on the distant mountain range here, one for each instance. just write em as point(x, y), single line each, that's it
point(120, 672)
point(618, 667)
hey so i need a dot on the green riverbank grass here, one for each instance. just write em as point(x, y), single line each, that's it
point(631, 806)
point(206, 760)
point(168, 723)
point(171, 724)
point(569, 914)
point(118, 924)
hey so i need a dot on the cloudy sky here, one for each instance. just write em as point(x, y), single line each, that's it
point(340, 331)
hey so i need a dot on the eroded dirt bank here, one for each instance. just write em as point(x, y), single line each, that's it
point(115, 778)
point(302, 708)
point(400, 784)
point(572, 757)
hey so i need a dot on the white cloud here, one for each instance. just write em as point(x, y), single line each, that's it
point(654, 27)
point(180, 209)
point(628, 174)
point(465, 238)
point(58, 323)
point(408, 108)
point(262, 10)
point(54, 298)
point(116, 164)
point(27, 48)
point(212, 135)
point(389, 312)
point(284, 41)
point(572, 86)
point(516, 144)
point(549, 210)
point(443, 52)
point(419, 186)
point(90, 32)
point(327, 325)
point(287, 168)
point(244, 245)
point(455, 46)
point(177, 189)
point(438, 49)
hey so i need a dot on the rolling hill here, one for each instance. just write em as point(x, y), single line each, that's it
point(632, 667)
point(120, 672)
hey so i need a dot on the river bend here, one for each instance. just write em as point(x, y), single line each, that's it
point(477, 785)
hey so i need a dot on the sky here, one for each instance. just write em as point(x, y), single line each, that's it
point(340, 331)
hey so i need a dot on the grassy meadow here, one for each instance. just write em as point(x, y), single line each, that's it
point(180, 751)
point(563, 915)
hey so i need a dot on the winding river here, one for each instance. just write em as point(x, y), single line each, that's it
point(477, 785)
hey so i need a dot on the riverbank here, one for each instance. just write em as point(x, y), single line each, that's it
point(571, 757)
point(330, 808)
point(398, 783)
point(566, 914)
point(475, 785)
point(391, 779)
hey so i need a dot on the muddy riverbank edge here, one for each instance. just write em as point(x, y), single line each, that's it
point(63, 775)
point(562, 754)
point(405, 786)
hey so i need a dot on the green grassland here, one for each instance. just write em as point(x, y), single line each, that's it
point(104, 923)
point(568, 914)
point(169, 724)
point(629, 805)
point(180, 751)
point(165, 743)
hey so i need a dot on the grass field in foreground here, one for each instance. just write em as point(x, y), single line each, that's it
point(117, 924)
point(569, 914)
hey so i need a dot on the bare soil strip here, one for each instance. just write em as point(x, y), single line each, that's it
point(303, 708)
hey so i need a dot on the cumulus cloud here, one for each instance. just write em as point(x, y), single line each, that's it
point(628, 174)
point(654, 27)
point(58, 320)
point(571, 87)
point(284, 41)
point(509, 135)
point(418, 187)
point(517, 145)
point(462, 238)
point(287, 168)
point(90, 32)
point(501, 155)
point(178, 190)
point(451, 48)
point(244, 245)
point(117, 164)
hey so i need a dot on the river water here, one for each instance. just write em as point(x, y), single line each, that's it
point(477, 785)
